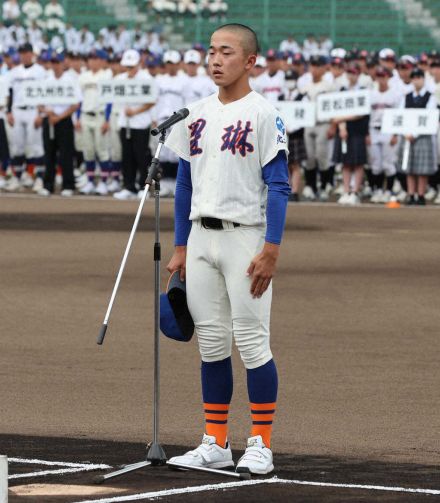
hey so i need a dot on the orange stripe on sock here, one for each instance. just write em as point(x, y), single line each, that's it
point(219, 431)
point(266, 414)
point(263, 406)
point(216, 406)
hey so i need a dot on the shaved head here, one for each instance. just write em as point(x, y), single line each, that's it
point(248, 37)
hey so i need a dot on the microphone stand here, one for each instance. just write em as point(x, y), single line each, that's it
point(155, 453)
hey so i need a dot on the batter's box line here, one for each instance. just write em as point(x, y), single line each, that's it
point(67, 467)
point(273, 480)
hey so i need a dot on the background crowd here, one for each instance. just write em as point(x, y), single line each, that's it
point(88, 148)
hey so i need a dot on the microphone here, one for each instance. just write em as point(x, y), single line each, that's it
point(176, 117)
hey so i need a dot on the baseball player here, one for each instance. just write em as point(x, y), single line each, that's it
point(271, 84)
point(114, 184)
point(383, 147)
point(94, 123)
point(231, 199)
point(26, 142)
point(4, 144)
point(197, 86)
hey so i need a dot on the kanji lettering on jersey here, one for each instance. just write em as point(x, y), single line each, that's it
point(236, 139)
point(196, 129)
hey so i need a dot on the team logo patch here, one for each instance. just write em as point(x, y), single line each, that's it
point(236, 139)
point(280, 125)
point(196, 129)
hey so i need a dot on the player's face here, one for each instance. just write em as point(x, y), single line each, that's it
point(93, 64)
point(26, 58)
point(228, 62)
point(435, 72)
point(418, 83)
point(272, 65)
point(404, 73)
point(191, 69)
point(353, 78)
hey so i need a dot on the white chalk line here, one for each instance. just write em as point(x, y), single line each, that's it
point(273, 480)
point(69, 468)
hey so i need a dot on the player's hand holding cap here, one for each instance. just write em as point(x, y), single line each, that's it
point(175, 319)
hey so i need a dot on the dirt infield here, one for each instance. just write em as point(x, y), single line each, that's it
point(355, 325)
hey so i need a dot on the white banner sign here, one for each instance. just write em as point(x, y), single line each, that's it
point(129, 91)
point(49, 92)
point(343, 104)
point(415, 121)
point(297, 114)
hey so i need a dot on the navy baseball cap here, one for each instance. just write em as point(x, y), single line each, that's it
point(57, 57)
point(318, 60)
point(99, 54)
point(27, 47)
point(175, 319)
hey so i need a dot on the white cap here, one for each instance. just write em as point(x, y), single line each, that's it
point(171, 57)
point(338, 52)
point(130, 58)
point(409, 59)
point(261, 61)
point(387, 53)
point(192, 56)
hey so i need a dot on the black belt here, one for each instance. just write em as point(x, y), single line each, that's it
point(94, 114)
point(377, 128)
point(26, 108)
point(215, 223)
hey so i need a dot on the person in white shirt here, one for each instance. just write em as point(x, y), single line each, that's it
point(4, 143)
point(134, 123)
point(35, 35)
point(171, 97)
point(10, 11)
point(123, 37)
point(94, 123)
point(434, 180)
point(310, 47)
point(290, 45)
point(33, 11)
point(54, 13)
point(383, 147)
point(325, 46)
point(71, 38)
point(26, 140)
point(337, 69)
point(271, 83)
point(17, 34)
point(198, 86)
point(86, 40)
point(422, 157)
point(58, 133)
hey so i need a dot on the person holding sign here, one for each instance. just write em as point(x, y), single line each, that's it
point(351, 145)
point(422, 160)
point(134, 123)
point(58, 134)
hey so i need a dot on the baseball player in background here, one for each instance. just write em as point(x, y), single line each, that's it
point(271, 83)
point(230, 208)
point(114, 184)
point(94, 123)
point(26, 139)
point(198, 86)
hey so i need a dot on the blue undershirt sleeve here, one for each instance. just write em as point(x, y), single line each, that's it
point(182, 203)
point(276, 177)
point(78, 112)
point(108, 111)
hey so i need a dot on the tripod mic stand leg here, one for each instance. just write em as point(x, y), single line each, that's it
point(126, 469)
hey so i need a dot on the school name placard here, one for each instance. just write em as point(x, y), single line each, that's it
point(343, 104)
point(296, 114)
point(410, 121)
point(128, 91)
point(49, 92)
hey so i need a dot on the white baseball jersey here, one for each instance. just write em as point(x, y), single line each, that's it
point(142, 120)
point(18, 76)
point(227, 146)
point(198, 87)
point(272, 87)
point(66, 79)
point(88, 82)
point(381, 101)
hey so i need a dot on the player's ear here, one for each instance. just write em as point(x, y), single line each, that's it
point(251, 60)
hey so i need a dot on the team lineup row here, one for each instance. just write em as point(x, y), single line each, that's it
point(115, 139)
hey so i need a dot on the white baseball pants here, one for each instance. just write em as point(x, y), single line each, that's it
point(95, 144)
point(219, 298)
point(383, 156)
point(25, 139)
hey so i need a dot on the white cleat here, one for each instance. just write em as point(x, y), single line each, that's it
point(344, 198)
point(101, 189)
point(430, 194)
point(81, 181)
point(26, 180)
point(366, 191)
point(437, 199)
point(125, 195)
point(43, 192)
point(89, 188)
point(2, 182)
point(308, 193)
point(401, 196)
point(38, 185)
point(377, 196)
point(13, 184)
point(386, 198)
point(257, 458)
point(113, 186)
point(353, 200)
point(207, 455)
point(66, 193)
